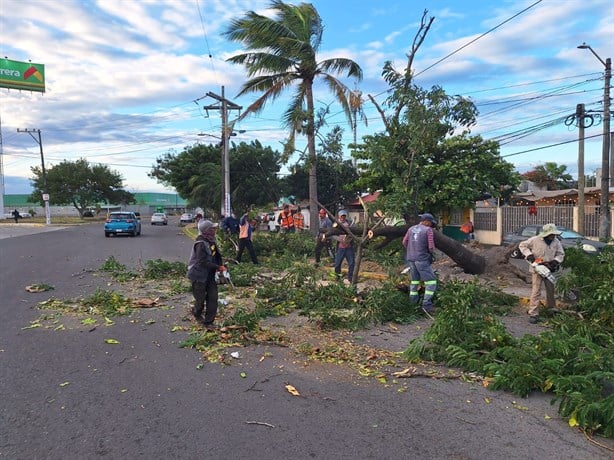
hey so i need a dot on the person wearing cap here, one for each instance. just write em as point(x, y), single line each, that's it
point(545, 249)
point(205, 260)
point(345, 248)
point(419, 243)
point(322, 241)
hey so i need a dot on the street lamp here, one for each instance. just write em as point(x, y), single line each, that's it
point(604, 209)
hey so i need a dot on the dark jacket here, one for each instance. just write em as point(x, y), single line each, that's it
point(205, 259)
point(230, 225)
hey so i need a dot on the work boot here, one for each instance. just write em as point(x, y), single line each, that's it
point(198, 317)
point(535, 319)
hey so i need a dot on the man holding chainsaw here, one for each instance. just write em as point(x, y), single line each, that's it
point(545, 254)
point(205, 261)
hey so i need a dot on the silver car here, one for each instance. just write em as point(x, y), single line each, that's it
point(159, 218)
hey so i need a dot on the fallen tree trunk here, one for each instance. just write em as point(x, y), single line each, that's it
point(470, 262)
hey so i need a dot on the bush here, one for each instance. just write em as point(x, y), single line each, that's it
point(574, 360)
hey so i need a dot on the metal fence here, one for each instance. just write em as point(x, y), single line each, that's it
point(591, 220)
point(485, 219)
point(514, 217)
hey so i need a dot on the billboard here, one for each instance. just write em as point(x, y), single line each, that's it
point(22, 75)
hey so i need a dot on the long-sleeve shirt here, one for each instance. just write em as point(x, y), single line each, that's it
point(245, 229)
point(419, 242)
point(205, 259)
point(540, 250)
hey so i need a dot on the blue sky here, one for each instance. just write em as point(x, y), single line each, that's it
point(124, 77)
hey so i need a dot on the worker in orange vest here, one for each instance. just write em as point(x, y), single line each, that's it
point(299, 219)
point(286, 220)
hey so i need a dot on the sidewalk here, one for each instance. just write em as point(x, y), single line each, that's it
point(11, 230)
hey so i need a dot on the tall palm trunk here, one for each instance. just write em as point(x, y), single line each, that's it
point(311, 148)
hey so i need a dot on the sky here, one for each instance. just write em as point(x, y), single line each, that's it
point(127, 80)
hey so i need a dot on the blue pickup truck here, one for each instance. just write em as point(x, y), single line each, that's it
point(123, 222)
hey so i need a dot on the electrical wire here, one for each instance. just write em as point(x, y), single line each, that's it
point(477, 38)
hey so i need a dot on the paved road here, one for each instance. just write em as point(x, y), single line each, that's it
point(66, 394)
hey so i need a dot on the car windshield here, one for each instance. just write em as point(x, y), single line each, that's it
point(570, 234)
point(529, 231)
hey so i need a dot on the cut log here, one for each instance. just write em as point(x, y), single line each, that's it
point(469, 261)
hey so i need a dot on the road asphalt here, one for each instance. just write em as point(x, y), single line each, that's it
point(66, 393)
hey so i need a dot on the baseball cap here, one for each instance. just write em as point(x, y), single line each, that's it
point(343, 212)
point(206, 224)
point(427, 216)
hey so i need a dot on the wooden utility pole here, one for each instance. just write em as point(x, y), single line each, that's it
point(45, 197)
point(224, 106)
point(581, 199)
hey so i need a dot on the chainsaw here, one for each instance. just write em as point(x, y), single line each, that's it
point(543, 271)
point(223, 278)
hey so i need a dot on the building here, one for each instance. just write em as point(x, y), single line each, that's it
point(146, 204)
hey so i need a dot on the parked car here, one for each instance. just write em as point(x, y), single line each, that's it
point(186, 218)
point(159, 218)
point(569, 239)
point(122, 222)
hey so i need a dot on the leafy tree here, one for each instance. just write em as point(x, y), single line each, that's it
point(253, 175)
point(80, 184)
point(281, 53)
point(196, 174)
point(551, 176)
point(427, 159)
point(336, 177)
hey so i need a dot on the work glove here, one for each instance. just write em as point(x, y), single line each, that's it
point(553, 265)
point(530, 258)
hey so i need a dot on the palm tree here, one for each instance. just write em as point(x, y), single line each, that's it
point(282, 53)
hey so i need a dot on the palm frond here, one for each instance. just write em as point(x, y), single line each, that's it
point(340, 66)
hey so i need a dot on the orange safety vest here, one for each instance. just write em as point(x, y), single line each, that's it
point(286, 219)
point(244, 230)
point(299, 220)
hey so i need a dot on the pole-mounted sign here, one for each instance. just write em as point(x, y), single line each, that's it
point(22, 75)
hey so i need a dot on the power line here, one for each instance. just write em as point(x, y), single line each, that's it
point(548, 146)
point(477, 38)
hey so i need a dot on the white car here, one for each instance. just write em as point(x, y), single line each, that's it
point(186, 218)
point(159, 218)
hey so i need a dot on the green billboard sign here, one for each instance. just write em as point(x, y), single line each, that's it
point(22, 75)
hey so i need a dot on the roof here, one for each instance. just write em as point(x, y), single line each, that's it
point(368, 198)
point(536, 195)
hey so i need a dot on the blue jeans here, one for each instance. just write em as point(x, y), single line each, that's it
point(347, 254)
point(421, 270)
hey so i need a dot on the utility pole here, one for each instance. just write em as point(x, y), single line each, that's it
point(580, 113)
point(224, 106)
point(604, 207)
point(39, 141)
